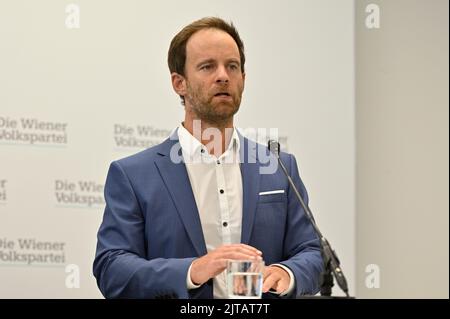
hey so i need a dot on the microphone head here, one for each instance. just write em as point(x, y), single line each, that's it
point(274, 147)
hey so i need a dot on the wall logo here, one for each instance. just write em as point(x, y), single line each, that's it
point(32, 252)
point(3, 197)
point(31, 131)
point(139, 136)
point(80, 194)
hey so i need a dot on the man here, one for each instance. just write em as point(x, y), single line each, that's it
point(175, 213)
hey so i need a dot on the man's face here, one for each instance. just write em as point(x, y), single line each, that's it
point(213, 79)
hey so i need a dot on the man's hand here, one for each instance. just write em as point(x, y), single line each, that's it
point(213, 263)
point(276, 278)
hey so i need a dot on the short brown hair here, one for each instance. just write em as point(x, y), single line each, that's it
point(177, 51)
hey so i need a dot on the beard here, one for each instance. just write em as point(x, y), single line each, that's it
point(213, 110)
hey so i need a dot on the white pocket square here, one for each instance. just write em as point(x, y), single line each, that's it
point(278, 191)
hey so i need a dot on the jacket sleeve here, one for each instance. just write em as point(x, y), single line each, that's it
point(120, 265)
point(301, 242)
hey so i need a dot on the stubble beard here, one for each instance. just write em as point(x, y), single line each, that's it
point(218, 114)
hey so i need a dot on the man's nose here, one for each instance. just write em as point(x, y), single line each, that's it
point(222, 75)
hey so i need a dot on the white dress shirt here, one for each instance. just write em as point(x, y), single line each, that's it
point(217, 187)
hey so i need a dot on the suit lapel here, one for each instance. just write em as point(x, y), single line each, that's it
point(177, 182)
point(250, 186)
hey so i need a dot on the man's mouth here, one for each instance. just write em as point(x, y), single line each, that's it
point(222, 94)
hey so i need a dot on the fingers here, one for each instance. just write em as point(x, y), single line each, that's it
point(270, 281)
point(249, 249)
point(213, 263)
point(238, 251)
point(275, 278)
point(238, 285)
point(237, 255)
point(242, 248)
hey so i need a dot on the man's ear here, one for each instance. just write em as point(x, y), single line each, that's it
point(178, 83)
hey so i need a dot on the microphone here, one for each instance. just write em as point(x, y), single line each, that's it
point(330, 260)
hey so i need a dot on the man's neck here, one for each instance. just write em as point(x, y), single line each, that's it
point(215, 137)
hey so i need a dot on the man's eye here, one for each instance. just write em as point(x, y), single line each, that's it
point(206, 67)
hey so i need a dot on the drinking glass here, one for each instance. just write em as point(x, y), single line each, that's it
point(245, 279)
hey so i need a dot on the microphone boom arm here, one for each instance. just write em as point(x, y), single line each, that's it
point(331, 262)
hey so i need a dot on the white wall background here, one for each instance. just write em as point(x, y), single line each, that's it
point(402, 149)
point(112, 70)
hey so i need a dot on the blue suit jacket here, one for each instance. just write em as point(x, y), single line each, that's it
point(151, 230)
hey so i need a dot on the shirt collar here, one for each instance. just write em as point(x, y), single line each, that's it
point(192, 147)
